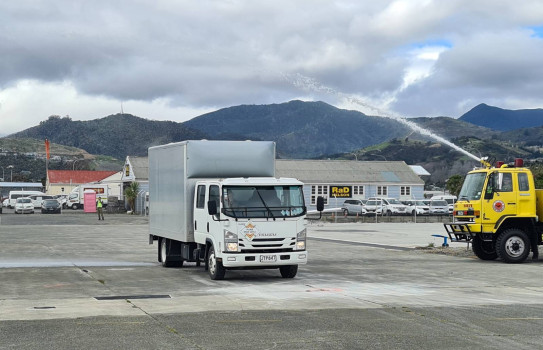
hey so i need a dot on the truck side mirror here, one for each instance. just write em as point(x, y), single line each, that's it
point(212, 207)
point(320, 203)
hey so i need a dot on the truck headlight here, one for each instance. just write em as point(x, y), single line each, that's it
point(300, 239)
point(230, 241)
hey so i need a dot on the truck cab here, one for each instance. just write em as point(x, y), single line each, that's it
point(496, 212)
point(243, 222)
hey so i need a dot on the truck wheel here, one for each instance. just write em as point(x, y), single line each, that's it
point(74, 206)
point(165, 258)
point(484, 250)
point(288, 271)
point(513, 246)
point(215, 269)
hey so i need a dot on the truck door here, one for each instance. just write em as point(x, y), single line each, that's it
point(503, 202)
point(200, 214)
point(204, 225)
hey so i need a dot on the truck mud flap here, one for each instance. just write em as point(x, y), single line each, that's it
point(459, 232)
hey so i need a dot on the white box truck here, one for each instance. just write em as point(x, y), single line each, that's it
point(75, 199)
point(219, 202)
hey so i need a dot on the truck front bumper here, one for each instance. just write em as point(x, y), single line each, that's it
point(264, 260)
point(459, 232)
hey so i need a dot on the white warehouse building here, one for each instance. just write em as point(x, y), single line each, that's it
point(338, 180)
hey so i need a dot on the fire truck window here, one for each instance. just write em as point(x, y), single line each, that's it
point(523, 184)
point(505, 182)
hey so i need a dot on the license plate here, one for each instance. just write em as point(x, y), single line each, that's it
point(268, 258)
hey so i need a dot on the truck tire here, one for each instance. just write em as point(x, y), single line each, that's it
point(74, 206)
point(215, 268)
point(513, 246)
point(484, 250)
point(288, 271)
point(165, 258)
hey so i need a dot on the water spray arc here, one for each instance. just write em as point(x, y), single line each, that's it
point(307, 83)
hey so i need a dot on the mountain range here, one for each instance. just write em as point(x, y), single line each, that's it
point(310, 130)
point(502, 119)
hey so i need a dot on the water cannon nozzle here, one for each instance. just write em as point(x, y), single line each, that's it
point(484, 161)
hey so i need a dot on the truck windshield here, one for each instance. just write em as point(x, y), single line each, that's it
point(262, 201)
point(472, 188)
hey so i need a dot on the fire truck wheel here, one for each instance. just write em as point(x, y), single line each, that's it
point(484, 250)
point(215, 268)
point(288, 271)
point(513, 246)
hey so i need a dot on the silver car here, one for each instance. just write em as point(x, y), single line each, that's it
point(439, 207)
point(353, 207)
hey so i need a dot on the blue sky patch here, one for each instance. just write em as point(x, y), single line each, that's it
point(433, 43)
point(537, 31)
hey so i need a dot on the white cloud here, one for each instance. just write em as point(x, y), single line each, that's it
point(36, 101)
point(179, 58)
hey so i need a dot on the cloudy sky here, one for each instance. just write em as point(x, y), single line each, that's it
point(174, 60)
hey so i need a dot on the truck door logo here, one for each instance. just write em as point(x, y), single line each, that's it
point(498, 206)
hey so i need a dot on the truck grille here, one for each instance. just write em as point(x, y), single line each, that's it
point(267, 245)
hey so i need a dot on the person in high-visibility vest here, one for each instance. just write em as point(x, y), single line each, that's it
point(100, 209)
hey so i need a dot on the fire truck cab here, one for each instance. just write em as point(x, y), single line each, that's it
point(498, 211)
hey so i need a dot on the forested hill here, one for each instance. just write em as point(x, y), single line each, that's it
point(116, 135)
point(301, 129)
point(503, 119)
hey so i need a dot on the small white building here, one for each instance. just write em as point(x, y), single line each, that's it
point(136, 169)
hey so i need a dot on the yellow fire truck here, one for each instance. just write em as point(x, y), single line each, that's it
point(499, 212)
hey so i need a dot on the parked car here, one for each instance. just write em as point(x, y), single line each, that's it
point(439, 207)
point(50, 206)
point(450, 199)
point(353, 207)
point(5, 203)
point(417, 206)
point(62, 198)
point(392, 206)
point(24, 205)
point(374, 206)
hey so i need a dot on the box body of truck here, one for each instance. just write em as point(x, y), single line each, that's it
point(258, 232)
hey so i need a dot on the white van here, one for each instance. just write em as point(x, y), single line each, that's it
point(13, 195)
point(37, 199)
point(449, 198)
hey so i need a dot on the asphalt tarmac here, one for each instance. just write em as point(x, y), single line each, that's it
point(70, 281)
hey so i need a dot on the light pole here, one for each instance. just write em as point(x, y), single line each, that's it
point(2, 173)
point(11, 172)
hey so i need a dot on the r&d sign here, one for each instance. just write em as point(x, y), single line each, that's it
point(341, 191)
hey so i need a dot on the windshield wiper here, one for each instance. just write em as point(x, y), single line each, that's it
point(464, 197)
point(264, 202)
